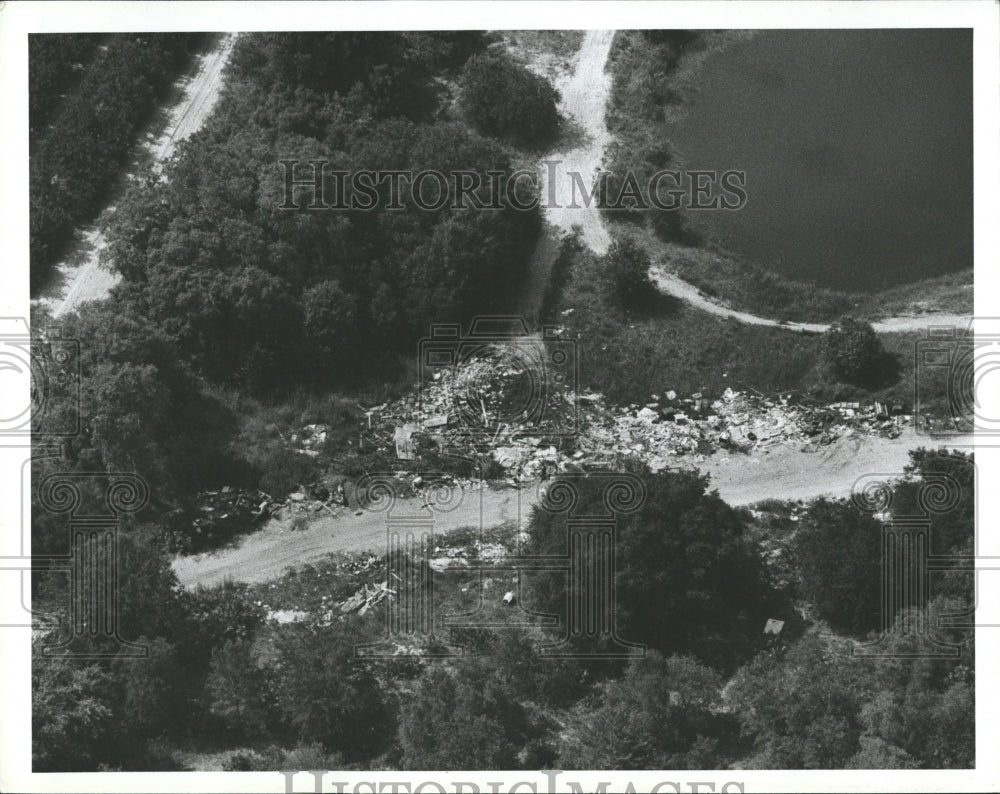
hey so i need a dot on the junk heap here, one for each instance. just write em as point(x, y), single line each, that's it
point(533, 429)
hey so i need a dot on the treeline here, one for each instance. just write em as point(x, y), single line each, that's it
point(692, 585)
point(75, 160)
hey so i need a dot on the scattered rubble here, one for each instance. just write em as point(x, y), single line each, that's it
point(223, 513)
point(366, 598)
point(309, 439)
point(470, 410)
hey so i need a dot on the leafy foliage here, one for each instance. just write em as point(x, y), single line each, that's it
point(210, 255)
point(839, 550)
point(662, 714)
point(75, 162)
point(852, 349)
point(688, 579)
point(55, 65)
point(628, 267)
point(328, 696)
point(802, 706)
point(468, 719)
point(504, 99)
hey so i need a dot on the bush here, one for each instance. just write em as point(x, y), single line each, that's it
point(283, 470)
point(852, 349)
point(839, 550)
point(505, 100)
point(628, 268)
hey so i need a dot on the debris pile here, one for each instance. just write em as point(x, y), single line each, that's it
point(227, 511)
point(309, 439)
point(366, 598)
point(484, 410)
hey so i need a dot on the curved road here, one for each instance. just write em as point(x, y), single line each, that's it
point(672, 284)
point(585, 93)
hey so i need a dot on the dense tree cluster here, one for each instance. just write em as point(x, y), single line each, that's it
point(313, 294)
point(839, 547)
point(502, 98)
point(55, 65)
point(688, 578)
point(852, 349)
point(76, 160)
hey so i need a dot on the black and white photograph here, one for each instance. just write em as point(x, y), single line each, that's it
point(491, 397)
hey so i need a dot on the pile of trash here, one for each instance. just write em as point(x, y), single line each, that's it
point(229, 510)
point(494, 407)
point(366, 598)
point(324, 496)
point(309, 439)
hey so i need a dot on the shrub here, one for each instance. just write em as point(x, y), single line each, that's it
point(628, 269)
point(505, 100)
point(852, 349)
point(284, 469)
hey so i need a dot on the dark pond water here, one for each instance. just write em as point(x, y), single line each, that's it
point(857, 146)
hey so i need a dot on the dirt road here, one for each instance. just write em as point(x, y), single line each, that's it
point(783, 472)
point(678, 288)
point(585, 92)
point(791, 473)
point(80, 278)
point(266, 554)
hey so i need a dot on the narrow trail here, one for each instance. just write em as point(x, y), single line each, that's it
point(584, 92)
point(80, 278)
point(671, 284)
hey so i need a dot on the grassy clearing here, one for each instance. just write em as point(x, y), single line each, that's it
point(670, 345)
